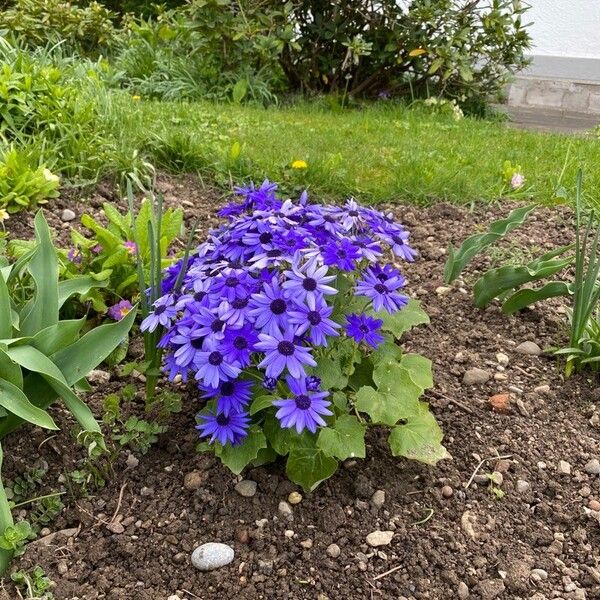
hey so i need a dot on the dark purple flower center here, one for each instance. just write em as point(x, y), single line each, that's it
point(286, 348)
point(217, 325)
point(274, 253)
point(265, 237)
point(240, 342)
point(227, 388)
point(159, 310)
point(215, 358)
point(231, 281)
point(329, 219)
point(309, 284)
point(199, 296)
point(342, 253)
point(398, 240)
point(382, 277)
point(197, 343)
point(353, 213)
point(239, 303)
point(363, 328)
point(302, 401)
point(380, 288)
point(314, 318)
point(222, 420)
point(278, 306)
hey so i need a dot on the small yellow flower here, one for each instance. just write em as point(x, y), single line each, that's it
point(50, 176)
point(3, 215)
point(299, 164)
point(136, 98)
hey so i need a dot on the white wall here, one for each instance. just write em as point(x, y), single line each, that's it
point(565, 27)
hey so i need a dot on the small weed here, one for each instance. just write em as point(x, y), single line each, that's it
point(34, 583)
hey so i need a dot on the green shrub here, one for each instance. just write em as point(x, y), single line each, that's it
point(87, 29)
point(24, 187)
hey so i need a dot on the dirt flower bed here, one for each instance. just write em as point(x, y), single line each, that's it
point(510, 515)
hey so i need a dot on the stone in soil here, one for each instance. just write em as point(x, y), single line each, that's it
point(592, 467)
point(564, 468)
point(529, 348)
point(378, 498)
point(500, 403)
point(490, 588)
point(475, 376)
point(333, 550)
point(462, 591)
point(379, 538)
point(212, 555)
point(246, 488)
point(294, 498)
point(193, 480)
point(67, 215)
point(285, 510)
point(98, 377)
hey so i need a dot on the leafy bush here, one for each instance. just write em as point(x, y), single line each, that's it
point(289, 323)
point(22, 187)
point(42, 356)
point(88, 29)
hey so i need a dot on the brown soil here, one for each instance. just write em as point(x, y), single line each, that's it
point(475, 538)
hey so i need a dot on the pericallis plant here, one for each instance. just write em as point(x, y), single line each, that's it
point(288, 317)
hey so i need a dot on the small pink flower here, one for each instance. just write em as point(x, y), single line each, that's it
point(74, 255)
point(119, 310)
point(517, 180)
point(97, 249)
point(131, 247)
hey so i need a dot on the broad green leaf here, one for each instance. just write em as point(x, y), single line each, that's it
point(77, 286)
point(15, 401)
point(108, 240)
point(239, 90)
point(261, 403)
point(309, 466)
point(346, 439)
point(43, 309)
point(419, 438)
point(265, 456)
point(90, 350)
point(10, 370)
point(172, 225)
point(419, 370)
point(340, 401)
point(363, 374)
point(143, 219)
point(528, 296)
point(497, 281)
point(388, 351)
point(118, 257)
point(283, 440)
point(116, 218)
point(458, 259)
point(54, 338)
point(403, 320)
point(236, 458)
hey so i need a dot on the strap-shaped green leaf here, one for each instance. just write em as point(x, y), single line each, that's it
point(9, 369)
point(43, 310)
point(529, 296)
point(90, 350)
point(5, 311)
point(15, 401)
point(458, 259)
point(77, 286)
point(54, 338)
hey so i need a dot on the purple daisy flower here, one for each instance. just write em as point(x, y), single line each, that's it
point(308, 280)
point(401, 248)
point(382, 294)
point(232, 396)
point(212, 367)
point(119, 310)
point(211, 322)
point(239, 343)
point(164, 311)
point(363, 328)
point(226, 429)
point(188, 341)
point(230, 284)
point(342, 255)
point(305, 410)
point(269, 309)
point(282, 350)
point(314, 316)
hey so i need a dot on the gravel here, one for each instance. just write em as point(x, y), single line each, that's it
point(67, 215)
point(476, 376)
point(592, 467)
point(246, 488)
point(379, 538)
point(378, 498)
point(333, 550)
point(530, 348)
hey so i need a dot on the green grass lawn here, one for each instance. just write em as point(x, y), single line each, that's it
point(379, 153)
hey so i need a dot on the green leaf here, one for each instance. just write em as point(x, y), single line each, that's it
point(403, 320)
point(419, 439)
point(435, 66)
point(309, 466)
point(239, 90)
point(77, 286)
point(261, 403)
point(58, 336)
point(90, 350)
point(335, 369)
point(497, 281)
point(236, 458)
point(346, 439)
point(529, 296)
point(15, 401)
point(283, 440)
point(43, 309)
point(116, 218)
point(5, 311)
point(458, 259)
point(10, 370)
point(419, 370)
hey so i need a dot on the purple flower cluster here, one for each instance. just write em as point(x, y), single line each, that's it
point(259, 299)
